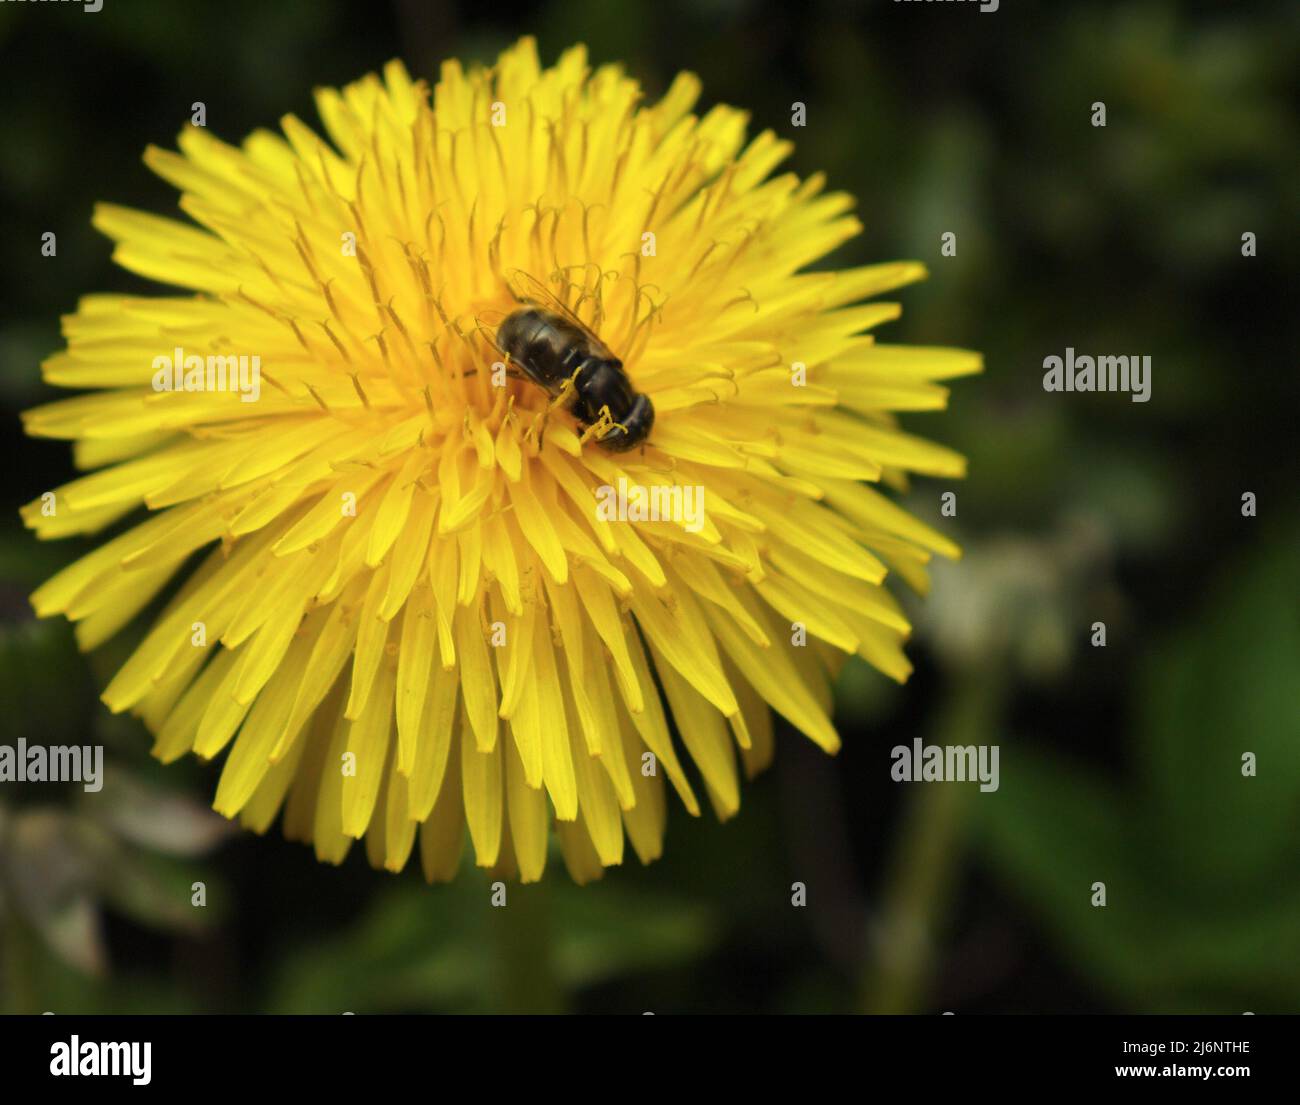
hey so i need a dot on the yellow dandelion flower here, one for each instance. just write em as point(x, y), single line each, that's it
point(393, 596)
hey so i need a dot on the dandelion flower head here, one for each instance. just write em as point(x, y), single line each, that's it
point(383, 593)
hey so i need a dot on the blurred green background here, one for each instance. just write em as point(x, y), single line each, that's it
point(1119, 764)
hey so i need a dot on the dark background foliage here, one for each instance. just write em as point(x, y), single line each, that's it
point(1119, 764)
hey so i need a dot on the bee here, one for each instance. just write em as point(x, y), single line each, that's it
point(557, 352)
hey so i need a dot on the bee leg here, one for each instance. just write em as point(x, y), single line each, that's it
point(559, 398)
point(566, 389)
point(602, 426)
point(608, 416)
point(599, 428)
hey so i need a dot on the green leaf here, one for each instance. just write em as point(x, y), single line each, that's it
point(1202, 903)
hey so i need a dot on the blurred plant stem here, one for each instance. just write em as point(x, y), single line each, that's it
point(927, 856)
point(19, 974)
point(528, 979)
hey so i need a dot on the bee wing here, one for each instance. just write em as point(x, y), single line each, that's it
point(528, 289)
point(489, 332)
point(551, 387)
